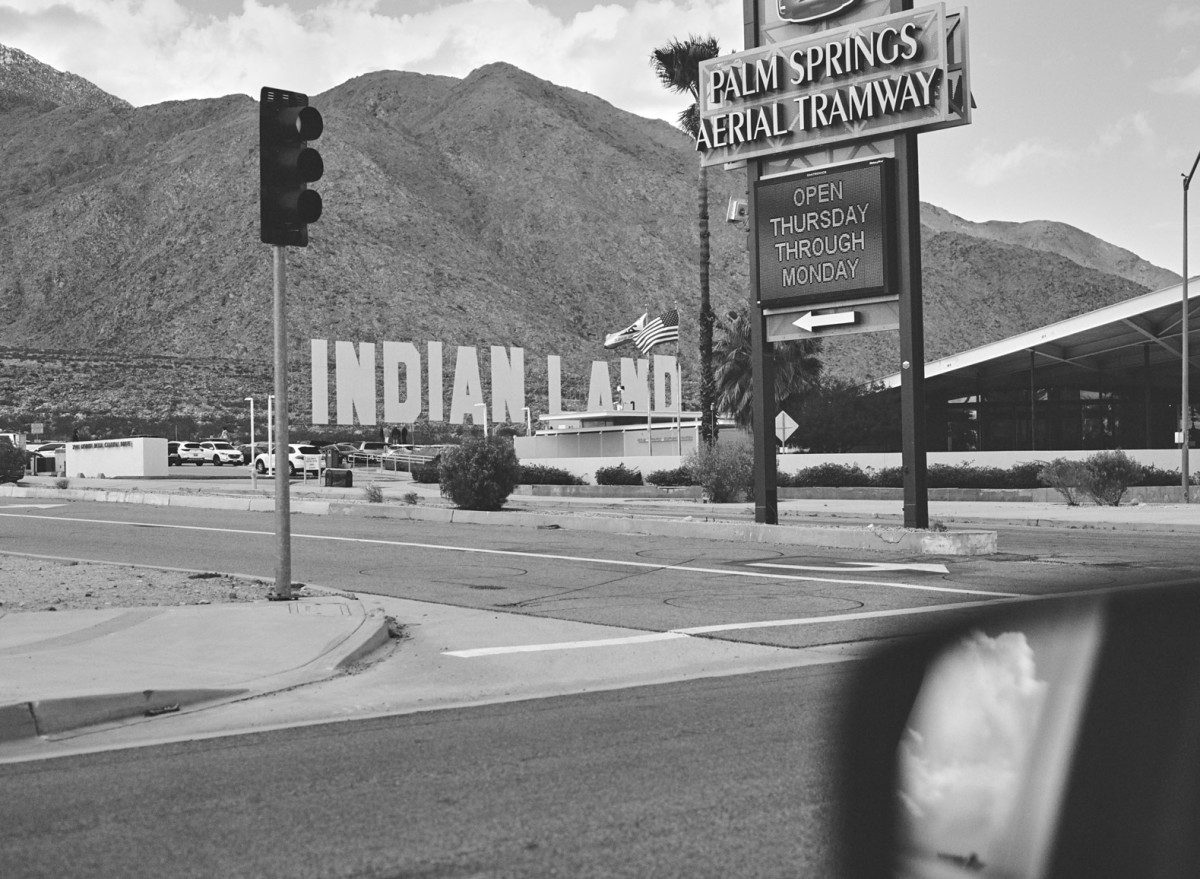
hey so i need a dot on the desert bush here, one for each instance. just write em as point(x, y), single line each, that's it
point(1065, 476)
point(725, 470)
point(619, 475)
point(1109, 475)
point(373, 493)
point(540, 474)
point(12, 463)
point(427, 473)
point(826, 476)
point(480, 474)
point(671, 478)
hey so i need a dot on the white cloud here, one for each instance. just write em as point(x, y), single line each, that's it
point(1175, 17)
point(987, 167)
point(148, 52)
point(1135, 127)
point(1187, 84)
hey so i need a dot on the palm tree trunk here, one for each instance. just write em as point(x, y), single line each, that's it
point(708, 392)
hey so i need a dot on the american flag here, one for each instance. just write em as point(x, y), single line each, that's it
point(664, 328)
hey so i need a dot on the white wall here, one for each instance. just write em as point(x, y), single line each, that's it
point(137, 456)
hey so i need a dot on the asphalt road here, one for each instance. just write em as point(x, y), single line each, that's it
point(711, 778)
point(634, 581)
point(714, 777)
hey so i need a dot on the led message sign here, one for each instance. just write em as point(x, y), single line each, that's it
point(867, 79)
point(823, 233)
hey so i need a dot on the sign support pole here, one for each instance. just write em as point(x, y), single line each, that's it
point(283, 523)
point(912, 335)
point(762, 427)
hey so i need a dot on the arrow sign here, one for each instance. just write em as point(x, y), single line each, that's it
point(860, 567)
point(809, 321)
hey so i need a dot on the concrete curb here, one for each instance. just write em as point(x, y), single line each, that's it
point(870, 537)
point(24, 720)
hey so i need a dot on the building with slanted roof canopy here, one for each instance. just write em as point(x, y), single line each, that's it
point(1102, 380)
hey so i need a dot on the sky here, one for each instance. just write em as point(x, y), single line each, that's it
point(1087, 113)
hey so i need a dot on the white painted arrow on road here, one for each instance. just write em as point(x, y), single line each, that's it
point(30, 506)
point(809, 321)
point(859, 567)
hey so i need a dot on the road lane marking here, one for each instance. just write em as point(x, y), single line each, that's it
point(30, 506)
point(692, 631)
point(859, 567)
point(657, 566)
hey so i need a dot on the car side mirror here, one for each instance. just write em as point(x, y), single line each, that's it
point(1053, 738)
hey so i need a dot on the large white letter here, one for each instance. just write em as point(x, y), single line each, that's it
point(508, 384)
point(467, 391)
point(600, 389)
point(320, 380)
point(665, 367)
point(436, 391)
point(635, 377)
point(355, 382)
point(554, 384)
point(395, 355)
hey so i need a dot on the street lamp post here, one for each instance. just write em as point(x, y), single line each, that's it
point(1185, 407)
point(253, 472)
point(484, 407)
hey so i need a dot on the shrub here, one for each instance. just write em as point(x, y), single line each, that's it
point(670, 478)
point(373, 493)
point(540, 474)
point(480, 474)
point(724, 469)
point(410, 498)
point(826, 476)
point(619, 475)
point(888, 477)
point(12, 463)
point(1109, 474)
point(1065, 476)
point(428, 472)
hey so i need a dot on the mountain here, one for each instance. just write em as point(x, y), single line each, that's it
point(494, 209)
point(25, 80)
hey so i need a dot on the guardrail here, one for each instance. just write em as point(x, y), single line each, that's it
point(394, 461)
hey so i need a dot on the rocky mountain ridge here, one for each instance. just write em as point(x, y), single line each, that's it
point(499, 209)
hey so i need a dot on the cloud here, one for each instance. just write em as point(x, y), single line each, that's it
point(170, 50)
point(1135, 127)
point(1175, 17)
point(972, 729)
point(987, 168)
point(1187, 84)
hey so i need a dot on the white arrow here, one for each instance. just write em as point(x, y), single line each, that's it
point(30, 506)
point(810, 321)
point(859, 567)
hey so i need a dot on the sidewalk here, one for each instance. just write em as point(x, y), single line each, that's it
point(74, 668)
point(71, 669)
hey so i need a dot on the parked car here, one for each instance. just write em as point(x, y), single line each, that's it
point(220, 452)
point(250, 452)
point(179, 453)
point(301, 459)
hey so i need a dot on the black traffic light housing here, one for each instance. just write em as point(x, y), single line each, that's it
point(285, 126)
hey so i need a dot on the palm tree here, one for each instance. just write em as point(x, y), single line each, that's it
point(677, 65)
point(797, 369)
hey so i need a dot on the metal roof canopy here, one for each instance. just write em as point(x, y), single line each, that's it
point(1098, 350)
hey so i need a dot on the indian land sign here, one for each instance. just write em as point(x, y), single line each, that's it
point(867, 79)
point(823, 233)
point(398, 383)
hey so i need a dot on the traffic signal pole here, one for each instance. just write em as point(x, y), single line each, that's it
point(287, 165)
point(283, 503)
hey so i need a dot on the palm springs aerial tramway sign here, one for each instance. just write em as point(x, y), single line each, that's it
point(822, 87)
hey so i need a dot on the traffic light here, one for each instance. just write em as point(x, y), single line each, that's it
point(285, 126)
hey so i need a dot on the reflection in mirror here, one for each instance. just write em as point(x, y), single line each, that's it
point(984, 757)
